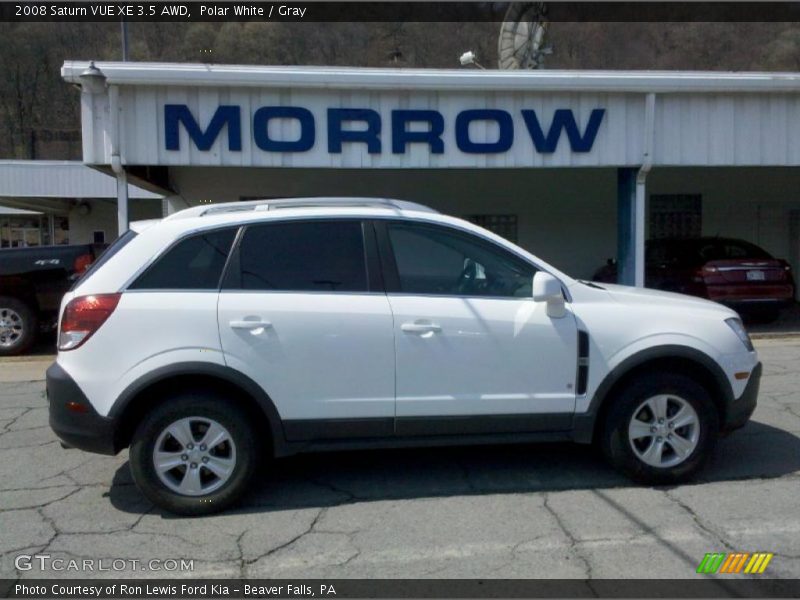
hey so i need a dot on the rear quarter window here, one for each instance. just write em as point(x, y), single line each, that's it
point(105, 255)
point(194, 263)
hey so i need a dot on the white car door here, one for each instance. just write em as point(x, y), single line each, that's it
point(474, 352)
point(298, 317)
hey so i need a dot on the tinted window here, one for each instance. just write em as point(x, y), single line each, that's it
point(195, 263)
point(736, 249)
point(434, 260)
point(314, 256)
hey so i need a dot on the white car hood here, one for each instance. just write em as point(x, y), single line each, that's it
point(635, 295)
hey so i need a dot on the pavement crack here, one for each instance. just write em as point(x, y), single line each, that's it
point(7, 426)
point(573, 541)
point(310, 529)
point(139, 520)
point(699, 522)
point(242, 564)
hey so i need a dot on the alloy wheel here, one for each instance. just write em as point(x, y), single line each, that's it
point(664, 431)
point(11, 327)
point(194, 456)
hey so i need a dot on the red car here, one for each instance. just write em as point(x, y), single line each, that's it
point(732, 272)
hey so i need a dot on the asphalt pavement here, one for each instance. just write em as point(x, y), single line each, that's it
point(521, 511)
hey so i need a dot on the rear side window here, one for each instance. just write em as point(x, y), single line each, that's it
point(194, 263)
point(311, 256)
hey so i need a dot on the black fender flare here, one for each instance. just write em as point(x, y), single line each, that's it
point(584, 423)
point(218, 371)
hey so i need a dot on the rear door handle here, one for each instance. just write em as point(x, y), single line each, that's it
point(421, 327)
point(251, 325)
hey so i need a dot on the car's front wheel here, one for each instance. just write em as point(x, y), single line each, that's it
point(194, 454)
point(661, 428)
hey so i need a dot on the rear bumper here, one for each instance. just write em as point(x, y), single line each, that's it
point(751, 296)
point(73, 418)
point(738, 411)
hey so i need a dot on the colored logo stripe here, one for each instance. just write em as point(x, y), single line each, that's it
point(759, 562)
point(735, 562)
point(721, 562)
point(711, 562)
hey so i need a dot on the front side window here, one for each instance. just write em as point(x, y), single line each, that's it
point(439, 261)
point(310, 256)
point(194, 263)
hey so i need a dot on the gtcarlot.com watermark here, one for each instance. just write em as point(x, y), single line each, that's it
point(46, 562)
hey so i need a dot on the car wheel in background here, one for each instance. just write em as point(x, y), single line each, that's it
point(18, 326)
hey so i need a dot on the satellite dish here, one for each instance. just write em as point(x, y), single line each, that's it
point(522, 35)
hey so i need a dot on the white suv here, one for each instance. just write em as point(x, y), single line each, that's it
point(221, 335)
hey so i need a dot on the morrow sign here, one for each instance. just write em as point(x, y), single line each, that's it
point(365, 126)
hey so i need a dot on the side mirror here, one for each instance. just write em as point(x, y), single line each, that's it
point(547, 288)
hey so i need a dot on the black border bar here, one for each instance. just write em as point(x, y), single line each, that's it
point(701, 587)
point(234, 10)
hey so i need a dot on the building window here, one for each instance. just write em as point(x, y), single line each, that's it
point(503, 225)
point(20, 231)
point(675, 216)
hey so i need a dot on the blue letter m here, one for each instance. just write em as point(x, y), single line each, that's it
point(174, 114)
point(563, 119)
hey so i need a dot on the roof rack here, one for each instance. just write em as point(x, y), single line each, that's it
point(279, 203)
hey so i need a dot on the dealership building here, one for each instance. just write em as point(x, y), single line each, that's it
point(575, 166)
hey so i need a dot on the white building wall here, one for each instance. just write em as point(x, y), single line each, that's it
point(565, 216)
point(701, 119)
point(103, 217)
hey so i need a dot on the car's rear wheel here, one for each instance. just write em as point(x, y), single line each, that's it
point(661, 428)
point(18, 326)
point(194, 454)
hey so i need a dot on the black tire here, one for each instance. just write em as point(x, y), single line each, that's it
point(22, 342)
point(615, 440)
point(200, 404)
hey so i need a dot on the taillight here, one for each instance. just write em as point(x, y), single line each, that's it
point(83, 316)
point(700, 274)
point(82, 263)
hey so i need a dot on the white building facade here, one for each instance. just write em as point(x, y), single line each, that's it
point(54, 202)
point(576, 166)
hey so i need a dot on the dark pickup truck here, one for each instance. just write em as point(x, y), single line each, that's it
point(32, 283)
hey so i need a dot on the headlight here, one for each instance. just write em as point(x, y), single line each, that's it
point(736, 324)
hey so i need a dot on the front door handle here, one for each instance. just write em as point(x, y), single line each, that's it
point(251, 325)
point(421, 327)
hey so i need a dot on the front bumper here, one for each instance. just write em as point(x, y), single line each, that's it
point(73, 418)
point(738, 411)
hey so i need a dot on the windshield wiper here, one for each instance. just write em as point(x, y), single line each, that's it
point(591, 284)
